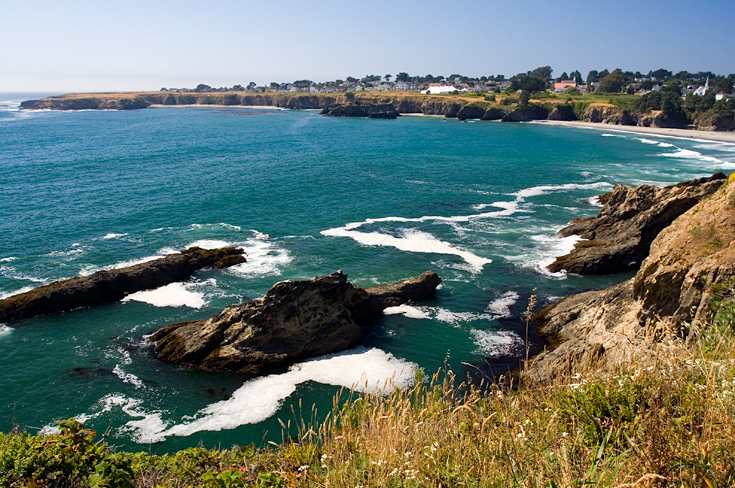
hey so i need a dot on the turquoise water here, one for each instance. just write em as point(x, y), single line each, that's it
point(305, 195)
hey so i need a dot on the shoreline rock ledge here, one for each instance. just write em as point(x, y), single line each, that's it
point(114, 284)
point(295, 320)
point(619, 238)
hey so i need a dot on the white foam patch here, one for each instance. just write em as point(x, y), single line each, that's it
point(171, 295)
point(407, 311)
point(112, 235)
point(544, 189)
point(411, 241)
point(5, 330)
point(455, 318)
point(365, 370)
point(612, 135)
point(689, 154)
point(595, 200)
point(16, 292)
point(209, 244)
point(8, 259)
point(495, 343)
point(13, 274)
point(127, 377)
point(500, 307)
point(263, 258)
point(647, 141)
point(548, 248)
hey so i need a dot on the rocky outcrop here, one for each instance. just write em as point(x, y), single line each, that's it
point(608, 115)
point(293, 321)
point(562, 112)
point(525, 113)
point(371, 111)
point(685, 281)
point(112, 285)
point(619, 237)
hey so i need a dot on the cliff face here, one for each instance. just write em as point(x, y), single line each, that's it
point(293, 321)
point(686, 278)
point(619, 237)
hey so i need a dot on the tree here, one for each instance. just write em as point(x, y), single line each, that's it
point(251, 85)
point(593, 76)
point(387, 78)
point(525, 96)
point(660, 74)
point(576, 76)
point(238, 88)
point(542, 72)
point(612, 83)
point(402, 76)
point(275, 86)
point(302, 83)
point(564, 76)
point(351, 79)
point(201, 87)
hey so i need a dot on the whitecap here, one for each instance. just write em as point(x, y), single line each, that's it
point(209, 244)
point(544, 189)
point(263, 258)
point(13, 274)
point(500, 307)
point(112, 235)
point(455, 318)
point(411, 241)
point(5, 330)
point(495, 343)
point(612, 135)
point(365, 370)
point(171, 295)
point(647, 141)
point(16, 292)
point(127, 377)
point(689, 154)
point(8, 259)
point(595, 201)
point(407, 311)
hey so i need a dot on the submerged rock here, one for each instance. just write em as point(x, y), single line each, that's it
point(112, 285)
point(293, 321)
point(619, 238)
point(687, 278)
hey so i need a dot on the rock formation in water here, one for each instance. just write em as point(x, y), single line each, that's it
point(112, 285)
point(685, 281)
point(619, 238)
point(293, 321)
point(371, 111)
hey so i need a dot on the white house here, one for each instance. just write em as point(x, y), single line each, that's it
point(702, 89)
point(724, 96)
point(438, 89)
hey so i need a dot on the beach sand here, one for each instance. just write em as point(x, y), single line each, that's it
point(680, 133)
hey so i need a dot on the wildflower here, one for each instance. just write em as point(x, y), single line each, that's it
point(564, 434)
point(303, 468)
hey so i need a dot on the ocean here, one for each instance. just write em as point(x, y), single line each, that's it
point(304, 195)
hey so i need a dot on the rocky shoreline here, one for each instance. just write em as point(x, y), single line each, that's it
point(374, 105)
point(679, 289)
point(113, 285)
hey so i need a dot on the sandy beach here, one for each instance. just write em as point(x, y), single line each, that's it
point(679, 133)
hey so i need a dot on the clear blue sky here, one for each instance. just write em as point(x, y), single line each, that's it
point(145, 45)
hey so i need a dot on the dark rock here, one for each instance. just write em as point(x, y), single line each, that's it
point(112, 285)
point(563, 112)
point(293, 321)
point(471, 112)
point(373, 111)
point(526, 113)
point(619, 238)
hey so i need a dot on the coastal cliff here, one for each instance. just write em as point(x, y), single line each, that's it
point(619, 237)
point(112, 285)
point(682, 286)
point(293, 321)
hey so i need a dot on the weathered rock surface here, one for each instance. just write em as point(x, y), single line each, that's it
point(293, 321)
point(525, 113)
point(689, 272)
point(619, 238)
point(112, 285)
point(372, 111)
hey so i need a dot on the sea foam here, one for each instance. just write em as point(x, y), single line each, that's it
point(365, 370)
point(495, 343)
point(171, 295)
point(500, 307)
point(407, 311)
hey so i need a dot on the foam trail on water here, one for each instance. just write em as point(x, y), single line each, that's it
point(127, 377)
point(112, 235)
point(412, 241)
point(16, 292)
point(209, 244)
point(543, 189)
point(171, 295)
point(689, 154)
point(263, 258)
point(365, 370)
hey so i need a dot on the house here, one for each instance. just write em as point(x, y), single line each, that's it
point(406, 86)
point(702, 90)
point(562, 85)
point(438, 89)
point(724, 96)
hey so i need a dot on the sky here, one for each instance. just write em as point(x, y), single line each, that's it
point(113, 45)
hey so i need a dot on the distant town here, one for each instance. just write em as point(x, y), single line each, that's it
point(537, 80)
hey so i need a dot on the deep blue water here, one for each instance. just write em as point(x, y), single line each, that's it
point(305, 195)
